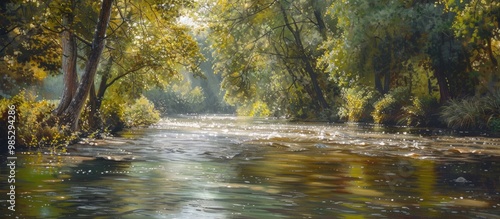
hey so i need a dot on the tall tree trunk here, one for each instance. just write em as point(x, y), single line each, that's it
point(387, 81)
point(305, 58)
point(390, 64)
point(69, 56)
point(71, 114)
point(314, 80)
point(95, 99)
point(377, 78)
point(494, 76)
point(439, 65)
point(440, 74)
point(103, 85)
point(444, 91)
point(94, 116)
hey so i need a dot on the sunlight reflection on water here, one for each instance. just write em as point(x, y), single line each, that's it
point(231, 167)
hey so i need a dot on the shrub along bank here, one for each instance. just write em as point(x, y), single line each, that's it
point(400, 107)
point(35, 125)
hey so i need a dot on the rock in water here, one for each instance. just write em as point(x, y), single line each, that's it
point(319, 145)
point(116, 157)
point(461, 180)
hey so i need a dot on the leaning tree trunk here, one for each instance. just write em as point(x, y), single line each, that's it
point(305, 58)
point(69, 56)
point(71, 114)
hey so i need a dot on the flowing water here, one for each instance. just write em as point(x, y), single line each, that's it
point(231, 167)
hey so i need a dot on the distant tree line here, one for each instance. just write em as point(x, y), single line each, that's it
point(391, 62)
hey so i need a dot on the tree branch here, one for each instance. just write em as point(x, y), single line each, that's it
point(125, 74)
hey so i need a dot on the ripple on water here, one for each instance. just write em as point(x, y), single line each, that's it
point(228, 167)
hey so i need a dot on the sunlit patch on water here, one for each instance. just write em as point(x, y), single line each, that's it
point(230, 167)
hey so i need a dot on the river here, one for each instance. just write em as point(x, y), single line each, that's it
point(234, 167)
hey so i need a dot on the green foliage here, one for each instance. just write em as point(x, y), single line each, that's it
point(390, 107)
point(28, 52)
point(478, 20)
point(300, 59)
point(265, 55)
point(383, 108)
point(494, 125)
point(140, 113)
point(492, 111)
point(112, 112)
point(178, 99)
point(421, 111)
point(119, 111)
point(197, 97)
point(434, 48)
point(356, 103)
point(463, 114)
point(257, 109)
point(35, 125)
point(146, 42)
point(492, 102)
point(473, 113)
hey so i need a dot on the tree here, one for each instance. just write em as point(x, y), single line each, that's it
point(389, 44)
point(272, 44)
point(71, 113)
point(143, 56)
point(477, 27)
point(28, 53)
point(69, 58)
point(144, 47)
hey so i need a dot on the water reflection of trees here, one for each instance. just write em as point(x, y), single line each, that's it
point(52, 186)
point(92, 190)
point(312, 183)
point(339, 184)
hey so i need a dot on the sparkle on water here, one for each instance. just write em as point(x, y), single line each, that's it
point(233, 167)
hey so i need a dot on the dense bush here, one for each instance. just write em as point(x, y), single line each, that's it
point(465, 113)
point(35, 125)
point(119, 112)
point(494, 124)
point(257, 109)
point(473, 113)
point(422, 111)
point(389, 109)
point(140, 113)
point(492, 111)
point(356, 103)
point(112, 114)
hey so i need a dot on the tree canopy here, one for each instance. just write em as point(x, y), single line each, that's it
point(384, 62)
point(130, 44)
point(298, 56)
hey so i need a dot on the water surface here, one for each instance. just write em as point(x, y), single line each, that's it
point(231, 167)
